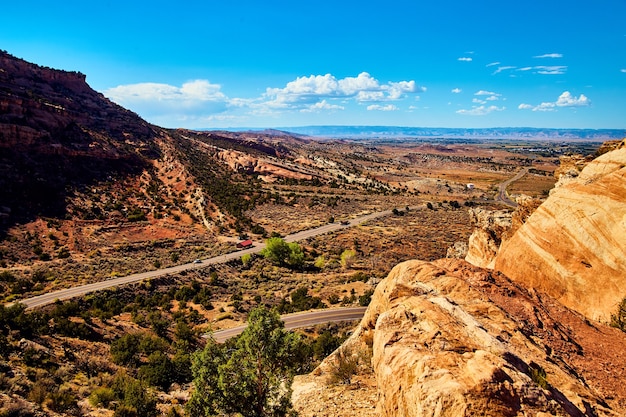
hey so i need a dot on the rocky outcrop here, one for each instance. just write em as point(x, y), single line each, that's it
point(573, 246)
point(241, 162)
point(451, 339)
point(490, 228)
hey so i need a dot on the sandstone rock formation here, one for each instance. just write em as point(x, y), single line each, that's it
point(573, 246)
point(490, 227)
point(451, 339)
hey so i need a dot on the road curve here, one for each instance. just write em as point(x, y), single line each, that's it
point(502, 196)
point(68, 293)
point(298, 320)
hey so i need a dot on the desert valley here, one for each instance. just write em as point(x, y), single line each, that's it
point(493, 269)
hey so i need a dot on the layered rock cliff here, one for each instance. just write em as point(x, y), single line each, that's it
point(451, 339)
point(573, 246)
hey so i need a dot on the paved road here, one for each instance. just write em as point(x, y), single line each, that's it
point(68, 293)
point(502, 196)
point(297, 320)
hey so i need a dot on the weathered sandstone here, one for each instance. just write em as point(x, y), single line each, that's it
point(573, 246)
point(490, 226)
point(451, 339)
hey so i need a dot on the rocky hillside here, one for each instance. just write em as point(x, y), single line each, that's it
point(88, 174)
point(56, 134)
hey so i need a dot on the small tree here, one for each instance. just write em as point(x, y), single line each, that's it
point(347, 258)
point(252, 377)
point(282, 253)
point(276, 250)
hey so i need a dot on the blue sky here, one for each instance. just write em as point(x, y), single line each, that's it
point(217, 64)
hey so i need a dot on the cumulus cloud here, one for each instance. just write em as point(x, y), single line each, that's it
point(566, 99)
point(465, 59)
point(553, 55)
point(202, 100)
point(388, 107)
point(158, 99)
point(456, 90)
point(480, 110)
point(302, 92)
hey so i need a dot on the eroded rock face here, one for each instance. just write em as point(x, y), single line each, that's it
point(490, 228)
point(451, 339)
point(573, 246)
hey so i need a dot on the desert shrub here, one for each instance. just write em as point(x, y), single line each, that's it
point(618, 319)
point(125, 350)
point(347, 258)
point(538, 375)
point(7, 276)
point(320, 262)
point(325, 344)
point(61, 401)
point(136, 215)
point(333, 299)
point(101, 397)
point(300, 301)
point(344, 367)
point(133, 396)
point(158, 372)
point(365, 299)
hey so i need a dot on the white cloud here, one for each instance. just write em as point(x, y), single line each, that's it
point(480, 110)
point(546, 69)
point(551, 70)
point(485, 93)
point(304, 91)
point(322, 105)
point(478, 101)
point(465, 59)
point(201, 100)
point(157, 99)
point(493, 97)
point(503, 68)
point(553, 55)
point(493, 64)
point(623, 70)
point(388, 107)
point(566, 99)
point(456, 90)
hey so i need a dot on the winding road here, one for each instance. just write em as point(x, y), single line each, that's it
point(65, 294)
point(297, 320)
point(502, 196)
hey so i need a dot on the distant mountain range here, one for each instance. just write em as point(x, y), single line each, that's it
point(373, 132)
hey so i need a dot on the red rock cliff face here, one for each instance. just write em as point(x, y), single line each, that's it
point(573, 246)
point(57, 133)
